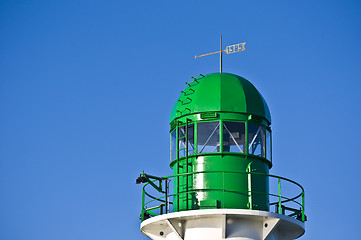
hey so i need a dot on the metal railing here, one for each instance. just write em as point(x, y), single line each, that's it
point(157, 205)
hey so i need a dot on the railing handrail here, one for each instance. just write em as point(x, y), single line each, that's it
point(255, 173)
point(223, 190)
point(282, 199)
point(242, 172)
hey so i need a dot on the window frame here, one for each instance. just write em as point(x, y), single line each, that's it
point(245, 137)
point(221, 138)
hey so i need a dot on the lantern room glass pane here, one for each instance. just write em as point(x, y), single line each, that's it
point(208, 137)
point(268, 145)
point(183, 140)
point(256, 140)
point(191, 146)
point(234, 137)
point(173, 145)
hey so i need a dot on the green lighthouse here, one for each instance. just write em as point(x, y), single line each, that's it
point(220, 124)
point(221, 155)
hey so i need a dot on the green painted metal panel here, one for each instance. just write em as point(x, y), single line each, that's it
point(223, 190)
point(220, 92)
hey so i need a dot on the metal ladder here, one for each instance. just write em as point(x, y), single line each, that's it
point(187, 164)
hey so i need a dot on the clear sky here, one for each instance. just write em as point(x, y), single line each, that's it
point(86, 89)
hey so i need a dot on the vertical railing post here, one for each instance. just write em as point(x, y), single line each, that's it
point(166, 196)
point(143, 199)
point(303, 206)
point(250, 203)
point(223, 190)
point(279, 197)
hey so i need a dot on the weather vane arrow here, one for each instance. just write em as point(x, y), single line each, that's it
point(239, 47)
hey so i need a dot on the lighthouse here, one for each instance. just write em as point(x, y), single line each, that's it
point(221, 156)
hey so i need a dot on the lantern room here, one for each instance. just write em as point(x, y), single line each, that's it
point(220, 123)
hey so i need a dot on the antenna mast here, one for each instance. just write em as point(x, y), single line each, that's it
point(220, 55)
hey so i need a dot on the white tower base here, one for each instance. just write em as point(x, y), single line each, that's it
point(217, 224)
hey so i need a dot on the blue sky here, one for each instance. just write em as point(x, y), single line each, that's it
point(86, 89)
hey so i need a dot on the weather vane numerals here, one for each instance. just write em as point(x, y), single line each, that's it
point(239, 47)
point(235, 48)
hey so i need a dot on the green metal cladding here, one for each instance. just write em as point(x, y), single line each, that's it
point(220, 145)
point(221, 92)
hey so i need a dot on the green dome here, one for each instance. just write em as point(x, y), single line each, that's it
point(220, 92)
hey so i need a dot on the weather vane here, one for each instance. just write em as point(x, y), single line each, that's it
point(239, 47)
